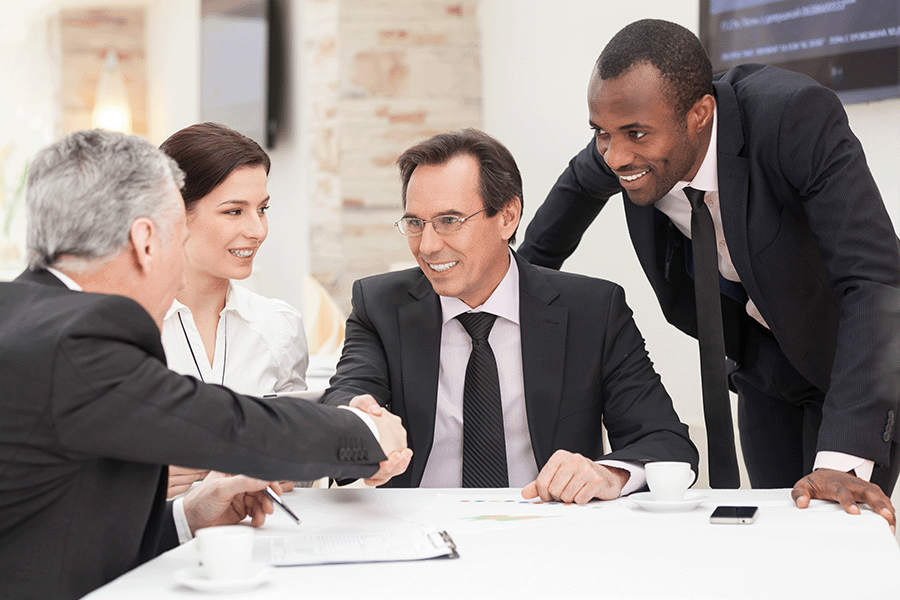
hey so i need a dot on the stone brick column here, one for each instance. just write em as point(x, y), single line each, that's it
point(378, 76)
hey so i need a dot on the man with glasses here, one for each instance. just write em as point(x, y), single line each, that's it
point(502, 373)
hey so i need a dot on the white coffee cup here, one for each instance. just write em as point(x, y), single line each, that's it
point(668, 480)
point(225, 551)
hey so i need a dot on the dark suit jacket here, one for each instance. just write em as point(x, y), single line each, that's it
point(89, 414)
point(583, 359)
point(808, 234)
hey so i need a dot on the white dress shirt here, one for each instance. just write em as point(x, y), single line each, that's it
point(444, 466)
point(677, 207)
point(260, 344)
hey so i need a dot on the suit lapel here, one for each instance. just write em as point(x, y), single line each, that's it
point(543, 330)
point(734, 185)
point(420, 356)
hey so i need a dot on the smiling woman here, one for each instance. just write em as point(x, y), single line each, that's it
point(217, 330)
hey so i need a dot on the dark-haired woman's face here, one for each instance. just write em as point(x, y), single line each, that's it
point(641, 136)
point(228, 225)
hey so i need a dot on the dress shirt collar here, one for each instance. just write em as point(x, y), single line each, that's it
point(503, 302)
point(67, 281)
point(707, 178)
point(237, 300)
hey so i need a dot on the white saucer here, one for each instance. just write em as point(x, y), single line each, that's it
point(690, 501)
point(195, 578)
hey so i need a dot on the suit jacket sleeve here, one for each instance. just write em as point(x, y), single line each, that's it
point(637, 411)
point(106, 381)
point(168, 537)
point(571, 206)
point(363, 366)
point(824, 162)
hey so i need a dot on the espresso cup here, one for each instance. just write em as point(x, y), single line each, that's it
point(668, 480)
point(225, 551)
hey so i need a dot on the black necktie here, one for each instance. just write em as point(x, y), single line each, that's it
point(484, 448)
point(723, 469)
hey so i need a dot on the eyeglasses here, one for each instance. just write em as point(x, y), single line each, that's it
point(411, 226)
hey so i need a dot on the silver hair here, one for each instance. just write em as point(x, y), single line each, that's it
point(85, 191)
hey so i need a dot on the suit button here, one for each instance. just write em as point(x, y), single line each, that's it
point(887, 436)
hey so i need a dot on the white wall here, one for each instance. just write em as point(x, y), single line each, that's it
point(283, 262)
point(28, 117)
point(537, 58)
point(173, 66)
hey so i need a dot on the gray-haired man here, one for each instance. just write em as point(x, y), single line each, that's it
point(89, 413)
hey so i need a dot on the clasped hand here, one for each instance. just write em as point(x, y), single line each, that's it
point(395, 447)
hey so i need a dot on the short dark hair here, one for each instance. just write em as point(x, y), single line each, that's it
point(675, 52)
point(208, 153)
point(500, 181)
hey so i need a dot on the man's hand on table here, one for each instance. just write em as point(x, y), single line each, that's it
point(227, 500)
point(182, 478)
point(397, 460)
point(847, 489)
point(569, 477)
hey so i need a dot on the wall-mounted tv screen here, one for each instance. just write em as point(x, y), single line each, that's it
point(851, 46)
point(234, 66)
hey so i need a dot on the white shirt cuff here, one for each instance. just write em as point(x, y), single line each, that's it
point(181, 523)
point(845, 463)
point(636, 481)
point(367, 419)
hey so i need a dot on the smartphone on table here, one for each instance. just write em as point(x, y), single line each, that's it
point(734, 514)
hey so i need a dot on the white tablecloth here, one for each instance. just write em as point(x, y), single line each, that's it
point(601, 550)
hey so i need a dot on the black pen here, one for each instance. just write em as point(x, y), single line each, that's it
point(271, 493)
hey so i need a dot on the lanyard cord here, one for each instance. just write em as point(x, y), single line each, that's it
point(194, 356)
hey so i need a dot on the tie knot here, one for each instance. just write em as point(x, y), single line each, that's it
point(695, 197)
point(478, 325)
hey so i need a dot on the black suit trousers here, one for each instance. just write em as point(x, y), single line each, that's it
point(779, 414)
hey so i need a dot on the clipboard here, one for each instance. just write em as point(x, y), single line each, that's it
point(346, 548)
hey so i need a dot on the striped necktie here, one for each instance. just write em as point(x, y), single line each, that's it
point(484, 447)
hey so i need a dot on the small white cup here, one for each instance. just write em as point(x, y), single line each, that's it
point(668, 480)
point(225, 551)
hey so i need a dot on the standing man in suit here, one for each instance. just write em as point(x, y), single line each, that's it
point(89, 413)
point(567, 356)
point(809, 264)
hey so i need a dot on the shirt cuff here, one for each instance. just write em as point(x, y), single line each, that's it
point(367, 419)
point(636, 481)
point(181, 522)
point(845, 463)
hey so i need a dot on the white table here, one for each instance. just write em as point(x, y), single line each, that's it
point(605, 549)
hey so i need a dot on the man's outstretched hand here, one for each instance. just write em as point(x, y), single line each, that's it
point(398, 460)
point(847, 489)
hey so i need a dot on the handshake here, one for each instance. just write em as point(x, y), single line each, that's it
point(392, 437)
point(566, 477)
